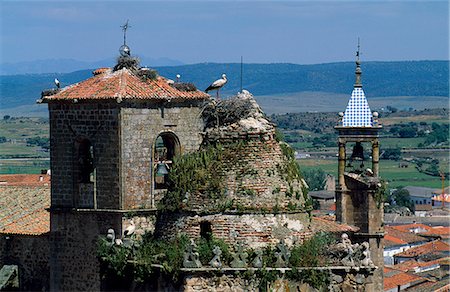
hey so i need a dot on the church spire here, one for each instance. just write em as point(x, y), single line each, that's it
point(358, 71)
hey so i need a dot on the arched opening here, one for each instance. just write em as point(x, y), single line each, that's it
point(167, 146)
point(206, 230)
point(85, 173)
point(85, 161)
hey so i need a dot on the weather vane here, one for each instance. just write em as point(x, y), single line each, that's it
point(124, 28)
point(124, 49)
point(357, 52)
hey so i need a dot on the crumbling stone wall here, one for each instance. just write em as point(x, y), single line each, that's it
point(31, 254)
point(255, 230)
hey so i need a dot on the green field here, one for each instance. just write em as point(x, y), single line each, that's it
point(389, 170)
point(27, 166)
point(401, 143)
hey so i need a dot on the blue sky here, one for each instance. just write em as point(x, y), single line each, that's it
point(302, 32)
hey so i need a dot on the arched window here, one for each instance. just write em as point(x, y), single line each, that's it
point(167, 146)
point(85, 161)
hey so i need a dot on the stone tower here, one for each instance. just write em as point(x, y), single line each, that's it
point(113, 138)
point(358, 194)
point(256, 195)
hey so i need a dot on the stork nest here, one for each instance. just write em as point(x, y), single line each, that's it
point(132, 64)
point(146, 74)
point(49, 92)
point(181, 86)
point(230, 111)
point(128, 62)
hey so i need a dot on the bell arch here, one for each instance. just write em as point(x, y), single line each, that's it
point(166, 147)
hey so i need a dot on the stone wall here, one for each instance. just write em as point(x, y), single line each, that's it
point(255, 230)
point(72, 122)
point(140, 126)
point(223, 283)
point(73, 248)
point(31, 254)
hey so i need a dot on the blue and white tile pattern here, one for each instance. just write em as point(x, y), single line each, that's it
point(357, 113)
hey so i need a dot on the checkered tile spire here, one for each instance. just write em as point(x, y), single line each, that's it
point(357, 113)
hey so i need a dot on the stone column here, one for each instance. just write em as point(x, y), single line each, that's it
point(375, 158)
point(341, 165)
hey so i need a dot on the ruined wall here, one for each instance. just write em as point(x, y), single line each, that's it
point(73, 250)
point(99, 123)
point(140, 127)
point(255, 230)
point(31, 254)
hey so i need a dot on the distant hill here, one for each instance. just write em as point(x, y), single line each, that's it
point(70, 65)
point(380, 79)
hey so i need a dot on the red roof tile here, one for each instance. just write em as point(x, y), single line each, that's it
point(428, 248)
point(24, 180)
point(393, 236)
point(23, 210)
point(443, 232)
point(410, 227)
point(394, 278)
point(412, 264)
point(123, 84)
point(390, 240)
point(326, 225)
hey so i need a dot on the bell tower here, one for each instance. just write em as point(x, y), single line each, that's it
point(358, 197)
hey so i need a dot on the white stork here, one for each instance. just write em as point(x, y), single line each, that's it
point(58, 85)
point(218, 84)
point(130, 229)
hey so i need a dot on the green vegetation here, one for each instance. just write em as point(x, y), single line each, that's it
point(401, 198)
point(315, 178)
point(196, 172)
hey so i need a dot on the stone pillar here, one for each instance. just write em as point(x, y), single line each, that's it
point(341, 165)
point(375, 157)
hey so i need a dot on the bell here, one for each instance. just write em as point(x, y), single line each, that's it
point(161, 169)
point(358, 152)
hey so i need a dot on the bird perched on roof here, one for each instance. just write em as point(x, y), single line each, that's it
point(178, 77)
point(130, 229)
point(58, 85)
point(218, 84)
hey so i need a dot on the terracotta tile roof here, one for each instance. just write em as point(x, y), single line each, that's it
point(410, 227)
point(394, 237)
point(123, 84)
point(326, 225)
point(439, 286)
point(412, 264)
point(394, 278)
point(428, 248)
point(23, 210)
point(390, 240)
point(440, 231)
point(24, 180)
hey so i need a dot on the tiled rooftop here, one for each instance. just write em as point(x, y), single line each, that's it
point(23, 210)
point(441, 231)
point(412, 227)
point(326, 224)
point(397, 237)
point(123, 84)
point(394, 278)
point(412, 264)
point(437, 246)
point(24, 180)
